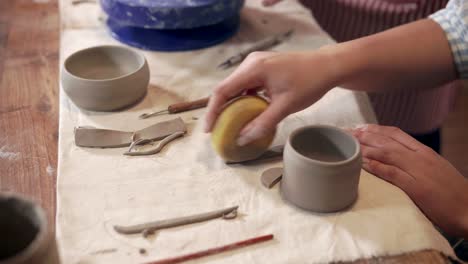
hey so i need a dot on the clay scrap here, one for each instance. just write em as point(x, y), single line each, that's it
point(271, 177)
point(105, 138)
point(103, 251)
point(148, 228)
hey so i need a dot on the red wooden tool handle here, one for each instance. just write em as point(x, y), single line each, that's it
point(213, 251)
point(186, 106)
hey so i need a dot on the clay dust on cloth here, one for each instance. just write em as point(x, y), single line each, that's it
point(100, 188)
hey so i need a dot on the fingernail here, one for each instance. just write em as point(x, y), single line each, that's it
point(355, 132)
point(248, 135)
point(206, 128)
point(365, 160)
point(243, 140)
point(361, 127)
point(347, 129)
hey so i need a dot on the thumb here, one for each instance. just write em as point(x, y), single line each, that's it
point(263, 124)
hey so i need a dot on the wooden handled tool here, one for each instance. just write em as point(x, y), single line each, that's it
point(179, 107)
point(212, 251)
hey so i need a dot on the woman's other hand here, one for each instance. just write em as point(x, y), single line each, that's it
point(439, 190)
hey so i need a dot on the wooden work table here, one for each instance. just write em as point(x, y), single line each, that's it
point(29, 77)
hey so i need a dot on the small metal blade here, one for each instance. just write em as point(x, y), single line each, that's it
point(275, 152)
point(146, 115)
point(225, 65)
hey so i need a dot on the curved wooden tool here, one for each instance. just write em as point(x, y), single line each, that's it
point(148, 228)
point(179, 107)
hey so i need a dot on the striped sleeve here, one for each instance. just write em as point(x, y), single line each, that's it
point(454, 21)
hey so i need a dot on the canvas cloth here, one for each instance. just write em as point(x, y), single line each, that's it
point(98, 188)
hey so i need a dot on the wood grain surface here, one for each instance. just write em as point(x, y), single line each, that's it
point(29, 48)
point(29, 51)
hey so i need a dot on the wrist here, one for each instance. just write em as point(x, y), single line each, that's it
point(346, 63)
point(464, 215)
point(465, 226)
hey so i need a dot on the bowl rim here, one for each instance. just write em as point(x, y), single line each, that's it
point(351, 159)
point(79, 52)
point(40, 240)
point(148, 6)
point(143, 9)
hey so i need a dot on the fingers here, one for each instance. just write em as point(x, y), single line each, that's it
point(397, 157)
point(389, 173)
point(382, 155)
point(386, 150)
point(377, 140)
point(242, 79)
point(396, 134)
point(264, 123)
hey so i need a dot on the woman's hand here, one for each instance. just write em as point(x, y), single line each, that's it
point(292, 82)
point(439, 190)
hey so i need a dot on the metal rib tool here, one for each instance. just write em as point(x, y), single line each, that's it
point(273, 153)
point(259, 46)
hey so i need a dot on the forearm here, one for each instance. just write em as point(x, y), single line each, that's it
point(415, 55)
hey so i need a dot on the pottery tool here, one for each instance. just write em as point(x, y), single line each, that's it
point(105, 138)
point(273, 153)
point(265, 44)
point(179, 107)
point(213, 251)
point(77, 2)
point(271, 177)
point(131, 150)
point(148, 228)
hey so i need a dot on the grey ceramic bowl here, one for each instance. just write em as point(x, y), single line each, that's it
point(105, 78)
point(322, 165)
point(26, 236)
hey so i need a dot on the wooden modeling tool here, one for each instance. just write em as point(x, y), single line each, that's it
point(179, 107)
point(213, 251)
point(148, 228)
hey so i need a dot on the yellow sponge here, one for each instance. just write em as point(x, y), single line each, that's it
point(236, 114)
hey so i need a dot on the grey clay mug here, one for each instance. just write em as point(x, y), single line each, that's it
point(26, 238)
point(322, 165)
